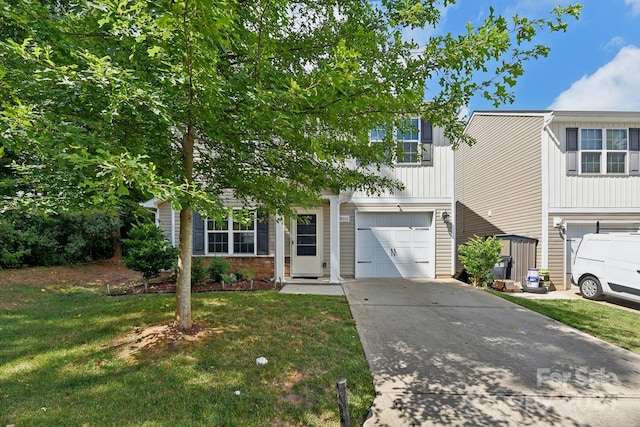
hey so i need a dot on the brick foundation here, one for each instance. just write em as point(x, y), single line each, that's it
point(263, 266)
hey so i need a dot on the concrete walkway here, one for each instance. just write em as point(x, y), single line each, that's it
point(312, 287)
point(444, 353)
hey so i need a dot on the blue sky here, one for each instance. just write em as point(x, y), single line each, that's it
point(595, 65)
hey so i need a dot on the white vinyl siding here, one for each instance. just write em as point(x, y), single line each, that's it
point(423, 181)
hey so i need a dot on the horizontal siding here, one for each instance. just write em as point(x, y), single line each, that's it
point(587, 191)
point(556, 258)
point(498, 180)
point(164, 218)
point(444, 243)
point(348, 241)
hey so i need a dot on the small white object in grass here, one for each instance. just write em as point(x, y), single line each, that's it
point(237, 392)
point(261, 361)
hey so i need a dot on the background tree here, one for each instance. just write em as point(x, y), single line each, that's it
point(270, 98)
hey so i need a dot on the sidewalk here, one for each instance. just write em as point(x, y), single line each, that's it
point(312, 287)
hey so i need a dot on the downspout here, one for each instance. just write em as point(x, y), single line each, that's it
point(173, 227)
point(454, 216)
point(546, 131)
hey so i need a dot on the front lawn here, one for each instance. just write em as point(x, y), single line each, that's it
point(71, 355)
point(614, 325)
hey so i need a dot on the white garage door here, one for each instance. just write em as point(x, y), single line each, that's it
point(394, 245)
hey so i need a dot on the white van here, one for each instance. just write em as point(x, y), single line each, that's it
point(608, 264)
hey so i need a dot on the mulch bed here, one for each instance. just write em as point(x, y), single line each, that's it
point(169, 286)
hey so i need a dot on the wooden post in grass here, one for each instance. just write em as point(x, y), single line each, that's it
point(343, 404)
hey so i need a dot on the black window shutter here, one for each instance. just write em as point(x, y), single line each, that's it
point(198, 234)
point(426, 139)
point(263, 233)
point(572, 151)
point(634, 151)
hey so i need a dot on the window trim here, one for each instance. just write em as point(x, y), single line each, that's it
point(400, 142)
point(231, 232)
point(603, 151)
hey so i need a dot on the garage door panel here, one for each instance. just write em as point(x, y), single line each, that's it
point(422, 269)
point(403, 236)
point(421, 235)
point(394, 245)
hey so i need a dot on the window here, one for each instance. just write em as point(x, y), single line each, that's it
point(407, 138)
point(218, 236)
point(243, 238)
point(220, 233)
point(603, 151)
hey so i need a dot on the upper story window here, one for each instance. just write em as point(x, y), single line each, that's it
point(407, 138)
point(603, 151)
point(230, 237)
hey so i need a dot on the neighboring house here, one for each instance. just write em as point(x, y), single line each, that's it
point(552, 176)
point(351, 234)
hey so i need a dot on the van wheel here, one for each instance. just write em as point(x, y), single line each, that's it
point(590, 288)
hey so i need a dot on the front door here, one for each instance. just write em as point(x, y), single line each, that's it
point(306, 244)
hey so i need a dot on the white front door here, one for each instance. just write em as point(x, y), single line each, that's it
point(306, 244)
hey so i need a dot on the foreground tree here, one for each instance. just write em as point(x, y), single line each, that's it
point(270, 98)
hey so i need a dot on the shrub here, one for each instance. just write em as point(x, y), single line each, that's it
point(148, 251)
point(64, 238)
point(478, 256)
point(217, 267)
point(198, 272)
point(13, 246)
point(246, 274)
point(228, 278)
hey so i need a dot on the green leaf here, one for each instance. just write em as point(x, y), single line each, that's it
point(122, 191)
point(152, 51)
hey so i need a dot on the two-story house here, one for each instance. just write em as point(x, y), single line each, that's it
point(552, 176)
point(404, 233)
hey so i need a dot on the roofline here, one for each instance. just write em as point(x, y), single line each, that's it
point(610, 116)
point(564, 114)
point(152, 203)
point(512, 112)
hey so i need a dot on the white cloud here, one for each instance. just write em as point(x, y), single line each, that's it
point(614, 86)
point(635, 6)
point(614, 44)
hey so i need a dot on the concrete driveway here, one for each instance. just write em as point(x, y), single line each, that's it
point(444, 353)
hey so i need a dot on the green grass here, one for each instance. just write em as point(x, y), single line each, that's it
point(63, 360)
point(614, 325)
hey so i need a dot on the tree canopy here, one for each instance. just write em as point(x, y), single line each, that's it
point(270, 98)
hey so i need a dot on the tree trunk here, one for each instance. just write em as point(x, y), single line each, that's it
point(183, 291)
point(117, 243)
point(183, 281)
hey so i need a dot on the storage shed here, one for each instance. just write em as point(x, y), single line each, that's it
point(522, 252)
